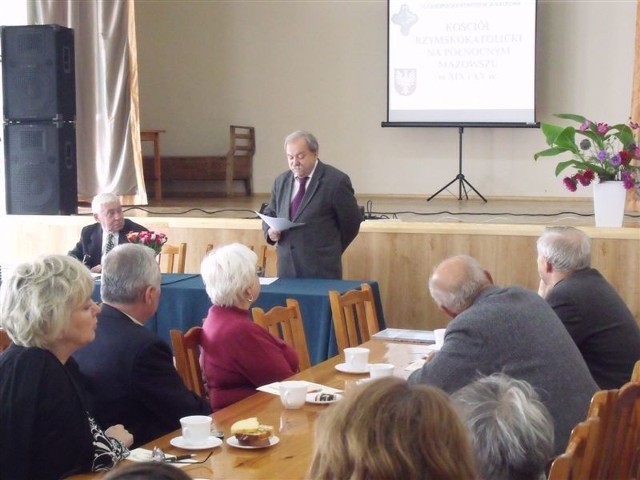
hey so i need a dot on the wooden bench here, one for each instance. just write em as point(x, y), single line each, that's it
point(236, 165)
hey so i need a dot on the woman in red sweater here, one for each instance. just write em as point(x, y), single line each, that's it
point(238, 355)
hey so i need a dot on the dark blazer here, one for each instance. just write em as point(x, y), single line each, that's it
point(89, 248)
point(514, 331)
point(329, 211)
point(601, 325)
point(133, 380)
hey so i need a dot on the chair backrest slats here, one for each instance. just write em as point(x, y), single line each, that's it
point(186, 349)
point(286, 323)
point(354, 316)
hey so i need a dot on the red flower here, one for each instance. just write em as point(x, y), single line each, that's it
point(570, 183)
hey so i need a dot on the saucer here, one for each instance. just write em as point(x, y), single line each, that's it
point(345, 368)
point(212, 442)
point(311, 398)
point(233, 441)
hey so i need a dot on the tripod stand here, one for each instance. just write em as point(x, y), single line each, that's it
point(460, 178)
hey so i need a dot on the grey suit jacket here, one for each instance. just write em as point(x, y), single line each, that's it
point(514, 331)
point(601, 325)
point(331, 218)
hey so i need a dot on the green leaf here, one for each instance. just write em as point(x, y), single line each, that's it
point(572, 116)
point(549, 152)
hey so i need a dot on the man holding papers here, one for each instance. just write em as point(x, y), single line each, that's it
point(320, 201)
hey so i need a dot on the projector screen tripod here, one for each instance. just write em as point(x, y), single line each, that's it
point(463, 183)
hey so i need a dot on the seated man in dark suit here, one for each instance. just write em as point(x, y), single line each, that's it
point(507, 330)
point(130, 369)
point(111, 230)
point(598, 320)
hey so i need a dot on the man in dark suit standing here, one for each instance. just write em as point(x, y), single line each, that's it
point(111, 230)
point(130, 369)
point(321, 198)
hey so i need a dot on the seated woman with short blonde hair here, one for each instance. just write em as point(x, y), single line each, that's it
point(46, 429)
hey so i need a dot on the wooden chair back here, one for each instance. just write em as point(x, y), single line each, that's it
point(186, 349)
point(239, 158)
point(617, 438)
point(176, 256)
point(354, 316)
point(286, 323)
point(635, 375)
point(5, 341)
point(578, 459)
point(268, 260)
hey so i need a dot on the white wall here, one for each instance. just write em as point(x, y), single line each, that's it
point(321, 66)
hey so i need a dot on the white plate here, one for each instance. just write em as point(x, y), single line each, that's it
point(345, 368)
point(233, 441)
point(212, 442)
point(311, 398)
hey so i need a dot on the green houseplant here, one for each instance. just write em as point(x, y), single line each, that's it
point(597, 150)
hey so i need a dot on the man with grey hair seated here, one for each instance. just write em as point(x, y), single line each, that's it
point(511, 431)
point(598, 320)
point(510, 330)
point(130, 368)
point(110, 230)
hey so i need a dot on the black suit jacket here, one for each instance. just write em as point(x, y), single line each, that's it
point(133, 380)
point(89, 248)
point(331, 217)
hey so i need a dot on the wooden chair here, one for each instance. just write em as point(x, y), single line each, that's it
point(186, 349)
point(5, 341)
point(578, 459)
point(268, 260)
point(616, 445)
point(239, 158)
point(354, 316)
point(286, 323)
point(170, 252)
point(635, 376)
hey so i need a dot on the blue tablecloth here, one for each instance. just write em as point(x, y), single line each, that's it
point(184, 303)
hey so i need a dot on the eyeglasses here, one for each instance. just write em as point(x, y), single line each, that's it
point(260, 270)
point(157, 455)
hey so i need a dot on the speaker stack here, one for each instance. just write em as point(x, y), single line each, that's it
point(39, 98)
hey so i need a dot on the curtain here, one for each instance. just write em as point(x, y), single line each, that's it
point(633, 195)
point(108, 147)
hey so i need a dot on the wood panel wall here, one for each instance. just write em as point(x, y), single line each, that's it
point(399, 255)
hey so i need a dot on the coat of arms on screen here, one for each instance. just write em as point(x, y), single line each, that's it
point(405, 80)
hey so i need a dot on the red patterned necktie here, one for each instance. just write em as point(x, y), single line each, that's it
point(297, 200)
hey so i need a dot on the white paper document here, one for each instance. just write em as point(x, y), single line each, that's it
point(279, 223)
point(274, 388)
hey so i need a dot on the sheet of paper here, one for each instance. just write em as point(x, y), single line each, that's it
point(273, 388)
point(279, 223)
point(267, 280)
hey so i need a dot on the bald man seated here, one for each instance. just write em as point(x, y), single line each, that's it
point(508, 330)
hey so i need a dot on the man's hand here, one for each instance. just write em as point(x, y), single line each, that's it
point(274, 235)
point(97, 269)
point(543, 289)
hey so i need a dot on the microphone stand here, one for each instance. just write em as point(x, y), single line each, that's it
point(460, 178)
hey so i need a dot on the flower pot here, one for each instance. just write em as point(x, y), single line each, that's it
point(608, 203)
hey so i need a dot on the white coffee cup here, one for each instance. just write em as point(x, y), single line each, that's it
point(196, 429)
point(379, 370)
point(439, 336)
point(356, 358)
point(293, 394)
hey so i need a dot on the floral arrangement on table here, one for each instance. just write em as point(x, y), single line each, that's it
point(605, 151)
point(152, 240)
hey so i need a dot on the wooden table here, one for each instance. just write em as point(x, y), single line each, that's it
point(291, 458)
point(154, 136)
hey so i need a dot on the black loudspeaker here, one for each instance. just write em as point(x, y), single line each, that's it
point(38, 73)
point(40, 168)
